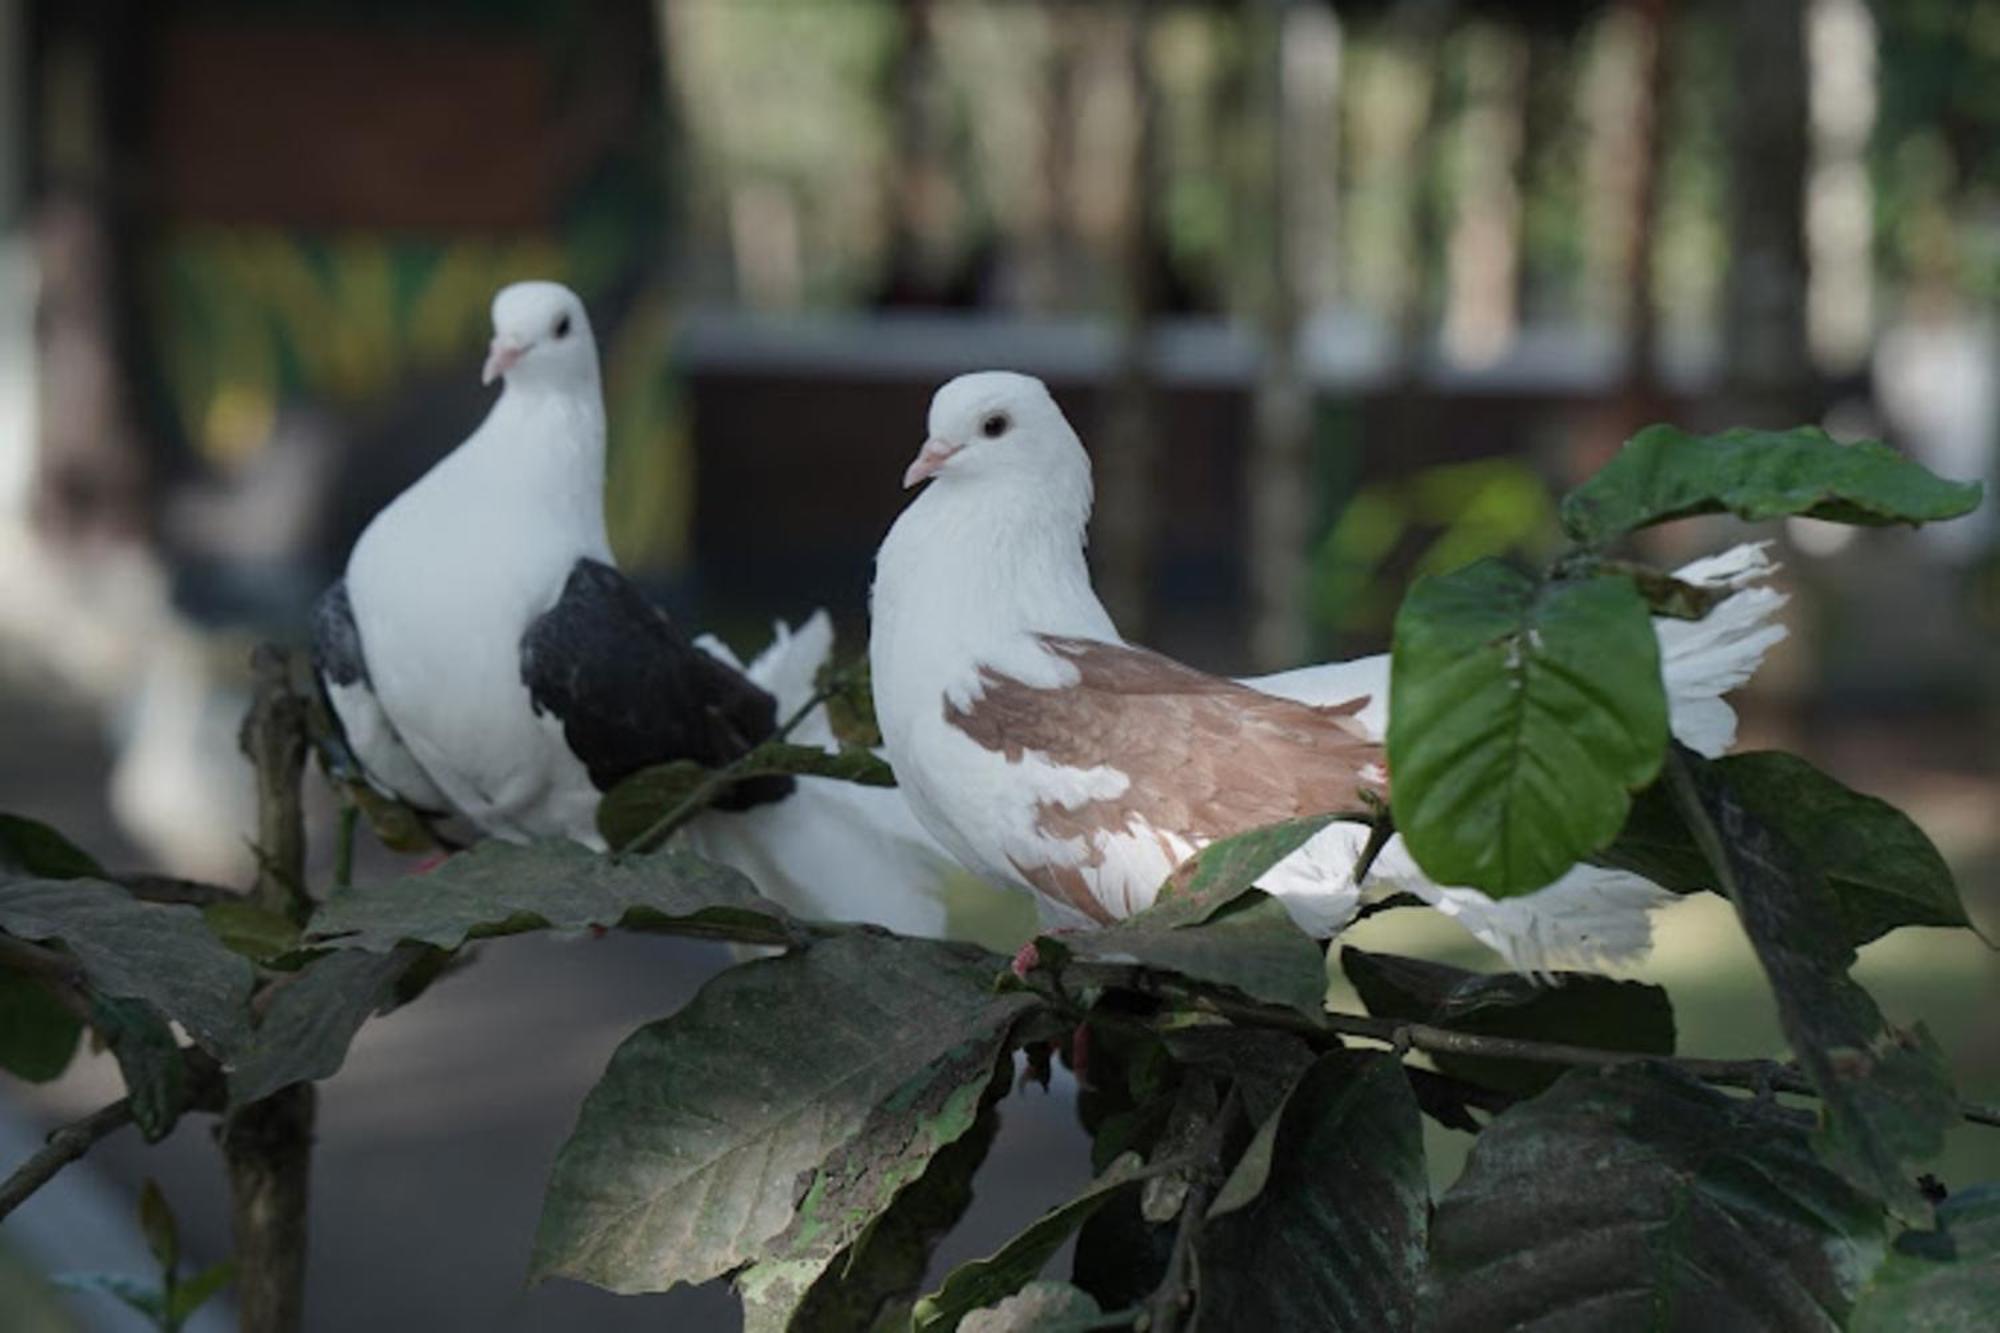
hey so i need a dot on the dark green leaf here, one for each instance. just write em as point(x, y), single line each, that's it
point(1521, 716)
point(1576, 1009)
point(31, 848)
point(38, 1033)
point(1261, 1063)
point(1664, 473)
point(985, 1282)
point(713, 1128)
point(1321, 1225)
point(253, 931)
point(1941, 1281)
point(1250, 945)
point(312, 1018)
point(861, 1180)
point(875, 1283)
point(1880, 869)
point(395, 825)
point(1637, 1198)
point(156, 1224)
point(1886, 1095)
point(199, 1290)
point(850, 703)
point(156, 952)
point(499, 888)
point(852, 763)
point(1039, 1307)
point(155, 1071)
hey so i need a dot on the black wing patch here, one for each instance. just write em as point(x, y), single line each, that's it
point(632, 691)
point(336, 641)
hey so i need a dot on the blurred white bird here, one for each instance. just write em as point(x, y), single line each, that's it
point(1049, 755)
point(484, 654)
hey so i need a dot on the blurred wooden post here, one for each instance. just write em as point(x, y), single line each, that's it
point(1280, 464)
point(1128, 455)
point(267, 1145)
point(1764, 321)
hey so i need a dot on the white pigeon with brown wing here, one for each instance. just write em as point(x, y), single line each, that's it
point(1047, 754)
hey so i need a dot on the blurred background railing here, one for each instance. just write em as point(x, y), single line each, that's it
point(1337, 293)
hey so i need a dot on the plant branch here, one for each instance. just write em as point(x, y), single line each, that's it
point(1168, 1307)
point(274, 739)
point(1752, 1075)
point(70, 1142)
point(64, 1146)
point(62, 973)
point(744, 766)
point(267, 1145)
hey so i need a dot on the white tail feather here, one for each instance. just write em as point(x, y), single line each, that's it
point(833, 850)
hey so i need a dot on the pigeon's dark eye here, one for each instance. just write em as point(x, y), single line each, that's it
point(994, 425)
point(562, 327)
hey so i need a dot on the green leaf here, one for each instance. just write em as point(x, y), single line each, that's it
point(1209, 924)
point(38, 1033)
point(499, 888)
point(199, 1290)
point(688, 1159)
point(31, 848)
point(984, 1282)
point(1886, 1095)
point(860, 1181)
point(1577, 1009)
point(850, 704)
point(875, 1282)
point(312, 1018)
point(1941, 1281)
point(1664, 473)
point(394, 824)
point(1521, 716)
point(156, 1224)
point(1878, 866)
point(1321, 1224)
point(1039, 1307)
point(155, 1071)
point(255, 932)
point(156, 952)
point(1637, 1198)
point(141, 1295)
point(648, 796)
point(1250, 945)
point(1217, 875)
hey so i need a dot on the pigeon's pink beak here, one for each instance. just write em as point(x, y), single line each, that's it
point(934, 455)
point(500, 358)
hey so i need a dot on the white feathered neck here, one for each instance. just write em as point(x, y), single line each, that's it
point(972, 571)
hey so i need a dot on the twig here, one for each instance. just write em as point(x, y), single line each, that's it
point(64, 1146)
point(69, 1142)
point(744, 765)
point(1170, 1302)
point(1747, 1074)
point(62, 973)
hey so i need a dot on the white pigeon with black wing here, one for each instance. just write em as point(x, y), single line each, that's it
point(1049, 755)
point(484, 655)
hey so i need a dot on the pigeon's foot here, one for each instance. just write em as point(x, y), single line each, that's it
point(430, 862)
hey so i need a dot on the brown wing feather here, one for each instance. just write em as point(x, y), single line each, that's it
point(1206, 757)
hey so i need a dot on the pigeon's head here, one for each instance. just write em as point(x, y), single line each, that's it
point(998, 425)
point(541, 337)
